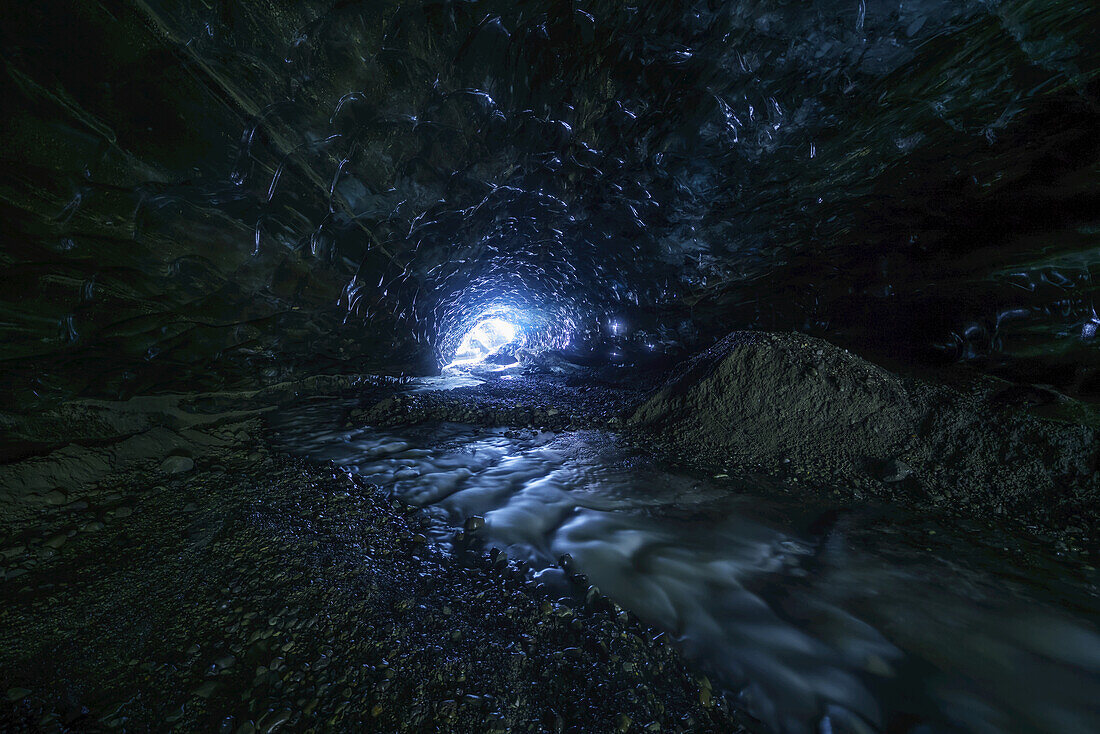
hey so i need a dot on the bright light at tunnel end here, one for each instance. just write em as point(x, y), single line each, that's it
point(501, 336)
point(485, 339)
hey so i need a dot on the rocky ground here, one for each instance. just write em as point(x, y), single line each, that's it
point(162, 568)
point(533, 398)
point(219, 587)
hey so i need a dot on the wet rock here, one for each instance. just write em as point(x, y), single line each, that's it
point(474, 523)
point(56, 541)
point(223, 663)
point(273, 721)
point(55, 497)
point(177, 464)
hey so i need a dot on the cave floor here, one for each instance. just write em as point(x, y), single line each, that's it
point(254, 592)
point(175, 569)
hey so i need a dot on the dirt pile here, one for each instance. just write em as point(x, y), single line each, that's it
point(802, 406)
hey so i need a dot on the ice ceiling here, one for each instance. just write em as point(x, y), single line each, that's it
point(229, 191)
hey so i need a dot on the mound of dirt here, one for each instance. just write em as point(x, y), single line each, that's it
point(776, 396)
point(800, 405)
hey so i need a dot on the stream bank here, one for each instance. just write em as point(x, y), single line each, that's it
point(227, 588)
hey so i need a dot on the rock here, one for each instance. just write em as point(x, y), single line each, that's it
point(224, 662)
point(17, 694)
point(474, 523)
point(206, 690)
point(56, 541)
point(273, 721)
point(894, 470)
point(177, 464)
point(14, 551)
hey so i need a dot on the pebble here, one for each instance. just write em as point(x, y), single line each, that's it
point(56, 541)
point(206, 690)
point(273, 721)
point(225, 662)
point(55, 497)
point(177, 464)
point(16, 694)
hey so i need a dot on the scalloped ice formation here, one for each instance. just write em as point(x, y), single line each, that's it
point(227, 194)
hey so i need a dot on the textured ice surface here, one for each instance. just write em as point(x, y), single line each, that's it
point(264, 178)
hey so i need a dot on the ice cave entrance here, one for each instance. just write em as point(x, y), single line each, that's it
point(486, 339)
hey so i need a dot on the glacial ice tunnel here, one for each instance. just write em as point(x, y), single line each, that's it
point(238, 193)
point(533, 285)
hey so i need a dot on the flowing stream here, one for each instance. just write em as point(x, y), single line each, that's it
point(818, 620)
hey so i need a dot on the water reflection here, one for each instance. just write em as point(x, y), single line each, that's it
point(820, 620)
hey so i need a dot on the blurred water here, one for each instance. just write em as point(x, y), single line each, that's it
point(820, 621)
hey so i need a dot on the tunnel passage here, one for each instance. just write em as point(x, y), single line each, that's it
point(549, 365)
point(230, 193)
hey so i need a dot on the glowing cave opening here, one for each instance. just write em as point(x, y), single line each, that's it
point(484, 340)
